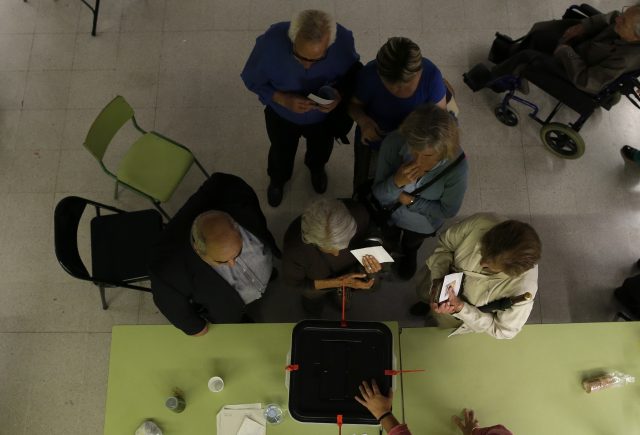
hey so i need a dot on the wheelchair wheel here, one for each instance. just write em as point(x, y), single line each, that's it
point(562, 140)
point(506, 115)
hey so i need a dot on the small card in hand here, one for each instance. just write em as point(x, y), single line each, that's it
point(452, 281)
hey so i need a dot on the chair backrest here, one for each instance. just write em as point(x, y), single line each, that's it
point(66, 219)
point(104, 128)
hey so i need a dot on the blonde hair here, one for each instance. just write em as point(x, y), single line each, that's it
point(328, 223)
point(429, 126)
point(398, 60)
point(312, 25)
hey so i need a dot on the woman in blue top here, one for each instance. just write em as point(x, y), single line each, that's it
point(425, 145)
point(387, 90)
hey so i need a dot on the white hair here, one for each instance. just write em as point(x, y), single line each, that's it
point(312, 25)
point(328, 224)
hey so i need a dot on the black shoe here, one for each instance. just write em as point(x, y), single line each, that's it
point(274, 194)
point(406, 267)
point(419, 309)
point(477, 77)
point(630, 154)
point(319, 181)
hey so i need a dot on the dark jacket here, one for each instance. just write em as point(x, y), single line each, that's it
point(302, 263)
point(184, 287)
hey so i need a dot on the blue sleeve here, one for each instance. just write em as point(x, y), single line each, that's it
point(363, 85)
point(436, 88)
point(254, 73)
point(455, 185)
point(384, 188)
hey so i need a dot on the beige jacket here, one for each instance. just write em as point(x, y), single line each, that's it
point(458, 250)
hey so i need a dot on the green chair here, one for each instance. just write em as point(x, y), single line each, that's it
point(154, 166)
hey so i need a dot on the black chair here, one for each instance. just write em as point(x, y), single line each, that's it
point(562, 140)
point(120, 243)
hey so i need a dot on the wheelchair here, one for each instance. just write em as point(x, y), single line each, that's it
point(563, 140)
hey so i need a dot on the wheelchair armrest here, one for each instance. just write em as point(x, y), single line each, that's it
point(580, 11)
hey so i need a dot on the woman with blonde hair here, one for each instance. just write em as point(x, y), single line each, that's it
point(422, 176)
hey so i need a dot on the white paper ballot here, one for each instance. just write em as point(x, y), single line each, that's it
point(453, 281)
point(377, 251)
point(231, 417)
point(324, 96)
point(250, 427)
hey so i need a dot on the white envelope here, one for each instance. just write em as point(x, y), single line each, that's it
point(250, 427)
point(455, 281)
point(379, 252)
point(231, 417)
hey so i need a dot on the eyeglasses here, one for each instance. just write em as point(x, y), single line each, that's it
point(306, 59)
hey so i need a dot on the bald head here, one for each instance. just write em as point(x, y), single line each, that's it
point(216, 237)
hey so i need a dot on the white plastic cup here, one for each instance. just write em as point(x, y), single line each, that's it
point(216, 384)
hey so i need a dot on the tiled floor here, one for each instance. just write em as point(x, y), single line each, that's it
point(178, 62)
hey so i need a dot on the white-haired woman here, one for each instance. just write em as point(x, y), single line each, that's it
point(316, 257)
point(423, 173)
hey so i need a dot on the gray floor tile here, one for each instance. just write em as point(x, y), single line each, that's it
point(52, 51)
point(16, 49)
point(40, 129)
point(13, 86)
point(47, 90)
point(96, 53)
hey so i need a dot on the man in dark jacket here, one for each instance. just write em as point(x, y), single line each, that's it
point(214, 257)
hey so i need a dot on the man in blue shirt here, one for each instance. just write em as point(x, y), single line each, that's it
point(387, 90)
point(290, 61)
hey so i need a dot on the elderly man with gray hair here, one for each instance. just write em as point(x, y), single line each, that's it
point(290, 61)
point(316, 257)
point(214, 257)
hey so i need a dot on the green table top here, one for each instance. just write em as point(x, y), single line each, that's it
point(531, 384)
point(147, 362)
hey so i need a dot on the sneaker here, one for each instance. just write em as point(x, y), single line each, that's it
point(274, 194)
point(319, 181)
point(630, 154)
point(419, 309)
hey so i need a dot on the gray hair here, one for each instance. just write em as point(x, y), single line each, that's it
point(198, 241)
point(398, 60)
point(312, 25)
point(327, 223)
point(430, 127)
point(636, 25)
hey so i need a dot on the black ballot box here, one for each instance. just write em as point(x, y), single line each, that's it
point(332, 362)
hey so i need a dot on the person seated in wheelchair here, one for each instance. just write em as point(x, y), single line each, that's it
point(590, 53)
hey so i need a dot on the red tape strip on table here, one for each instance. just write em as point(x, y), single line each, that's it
point(397, 372)
point(343, 320)
point(339, 420)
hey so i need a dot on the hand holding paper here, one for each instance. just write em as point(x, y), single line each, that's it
point(453, 281)
point(378, 252)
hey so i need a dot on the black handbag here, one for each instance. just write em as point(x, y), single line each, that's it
point(381, 214)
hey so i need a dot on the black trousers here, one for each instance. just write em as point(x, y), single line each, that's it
point(408, 241)
point(284, 136)
point(537, 49)
point(365, 161)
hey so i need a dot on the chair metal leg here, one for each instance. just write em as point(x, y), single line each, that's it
point(115, 193)
point(103, 298)
point(160, 209)
point(201, 167)
point(95, 9)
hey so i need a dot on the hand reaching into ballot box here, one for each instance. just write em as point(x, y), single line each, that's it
point(379, 406)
